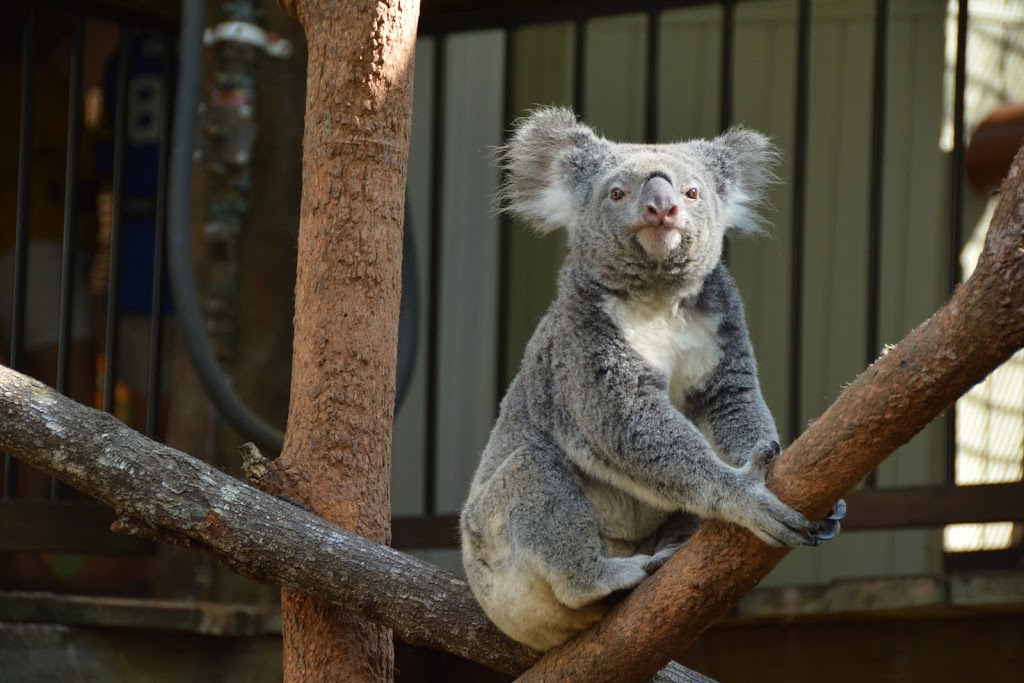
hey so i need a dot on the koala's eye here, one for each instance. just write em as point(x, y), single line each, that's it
point(692, 194)
point(616, 194)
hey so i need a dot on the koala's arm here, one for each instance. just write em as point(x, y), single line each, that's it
point(619, 425)
point(730, 405)
point(636, 438)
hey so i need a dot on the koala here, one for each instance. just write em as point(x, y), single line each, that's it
point(637, 410)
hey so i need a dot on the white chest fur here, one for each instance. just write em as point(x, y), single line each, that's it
point(681, 345)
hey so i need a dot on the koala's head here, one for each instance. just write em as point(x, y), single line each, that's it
point(638, 216)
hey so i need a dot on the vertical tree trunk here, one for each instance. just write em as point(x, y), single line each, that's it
point(337, 453)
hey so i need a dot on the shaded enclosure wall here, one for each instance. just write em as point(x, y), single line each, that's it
point(914, 233)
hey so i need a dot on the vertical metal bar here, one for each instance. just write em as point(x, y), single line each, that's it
point(24, 209)
point(505, 225)
point(651, 114)
point(579, 67)
point(26, 114)
point(797, 232)
point(956, 202)
point(725, 93)
point(876, 188)
point(67, 271)
point(436, 233)
point(117, 211)
point(156, 330)
point(70, 245)
point(727, 57)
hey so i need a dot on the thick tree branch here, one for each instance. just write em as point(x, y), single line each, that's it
point(169, 496)
point(980, 327)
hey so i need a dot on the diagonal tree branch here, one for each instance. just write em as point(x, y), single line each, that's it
point(980, 327)
point(166, 495)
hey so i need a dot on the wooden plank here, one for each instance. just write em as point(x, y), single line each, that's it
point(425, 532)
point(40, 526)
point(67, 527)
point(934, 506)
point(921, 596)
point(982, 560)
point(55, 652)
point(205, 618)
point(439, 16)
point(976, 647)
point(896, 508)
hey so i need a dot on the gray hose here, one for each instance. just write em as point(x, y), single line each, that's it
point(179, 240)
point(212, 378)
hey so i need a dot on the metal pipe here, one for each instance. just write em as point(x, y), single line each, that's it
point(579, 68)
point(156, 330)
point(727, 60)
point(67, 270)
point(434, 294)
point(26, 113)
point(651, 106)
point(876, 188)
point(116, 223)
point(505, 225)
point(796, 282)
point(956, 203)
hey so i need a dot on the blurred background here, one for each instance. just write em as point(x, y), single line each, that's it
point(896, 118)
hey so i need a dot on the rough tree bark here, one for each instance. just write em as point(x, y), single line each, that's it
point(979, 327)
point(166, 495)
point(337, 451)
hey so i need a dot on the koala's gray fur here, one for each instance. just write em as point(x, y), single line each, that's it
point(637, 408)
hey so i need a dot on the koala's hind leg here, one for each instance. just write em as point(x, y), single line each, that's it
point(554, 525)
point(669, 538)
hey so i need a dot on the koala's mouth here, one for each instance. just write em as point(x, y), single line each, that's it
point(658, 241)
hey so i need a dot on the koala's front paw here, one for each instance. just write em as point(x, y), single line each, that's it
point(773, 521)
point(760, 511)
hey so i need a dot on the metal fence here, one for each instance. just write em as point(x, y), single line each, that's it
point(59, 22)
point(901, 508)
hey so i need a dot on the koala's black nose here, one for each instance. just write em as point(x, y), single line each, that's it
point(658, 198)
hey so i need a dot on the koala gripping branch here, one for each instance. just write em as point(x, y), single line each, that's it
point(980, 327)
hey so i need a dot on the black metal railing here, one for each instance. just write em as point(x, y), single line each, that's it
point(885, 509)
point(75, 16)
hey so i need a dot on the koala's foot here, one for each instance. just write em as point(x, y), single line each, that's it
point(659, 558)
point(614, 574)
point(669, 538)
point(828, 528)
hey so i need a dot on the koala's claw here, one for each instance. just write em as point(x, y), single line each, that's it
point(838, 512)
point(828, 528)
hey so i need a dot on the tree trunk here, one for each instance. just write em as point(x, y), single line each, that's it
point(337, 452)
point(980, 327)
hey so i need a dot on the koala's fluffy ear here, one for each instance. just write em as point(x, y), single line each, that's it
point(742, 162)
point(549, 151)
